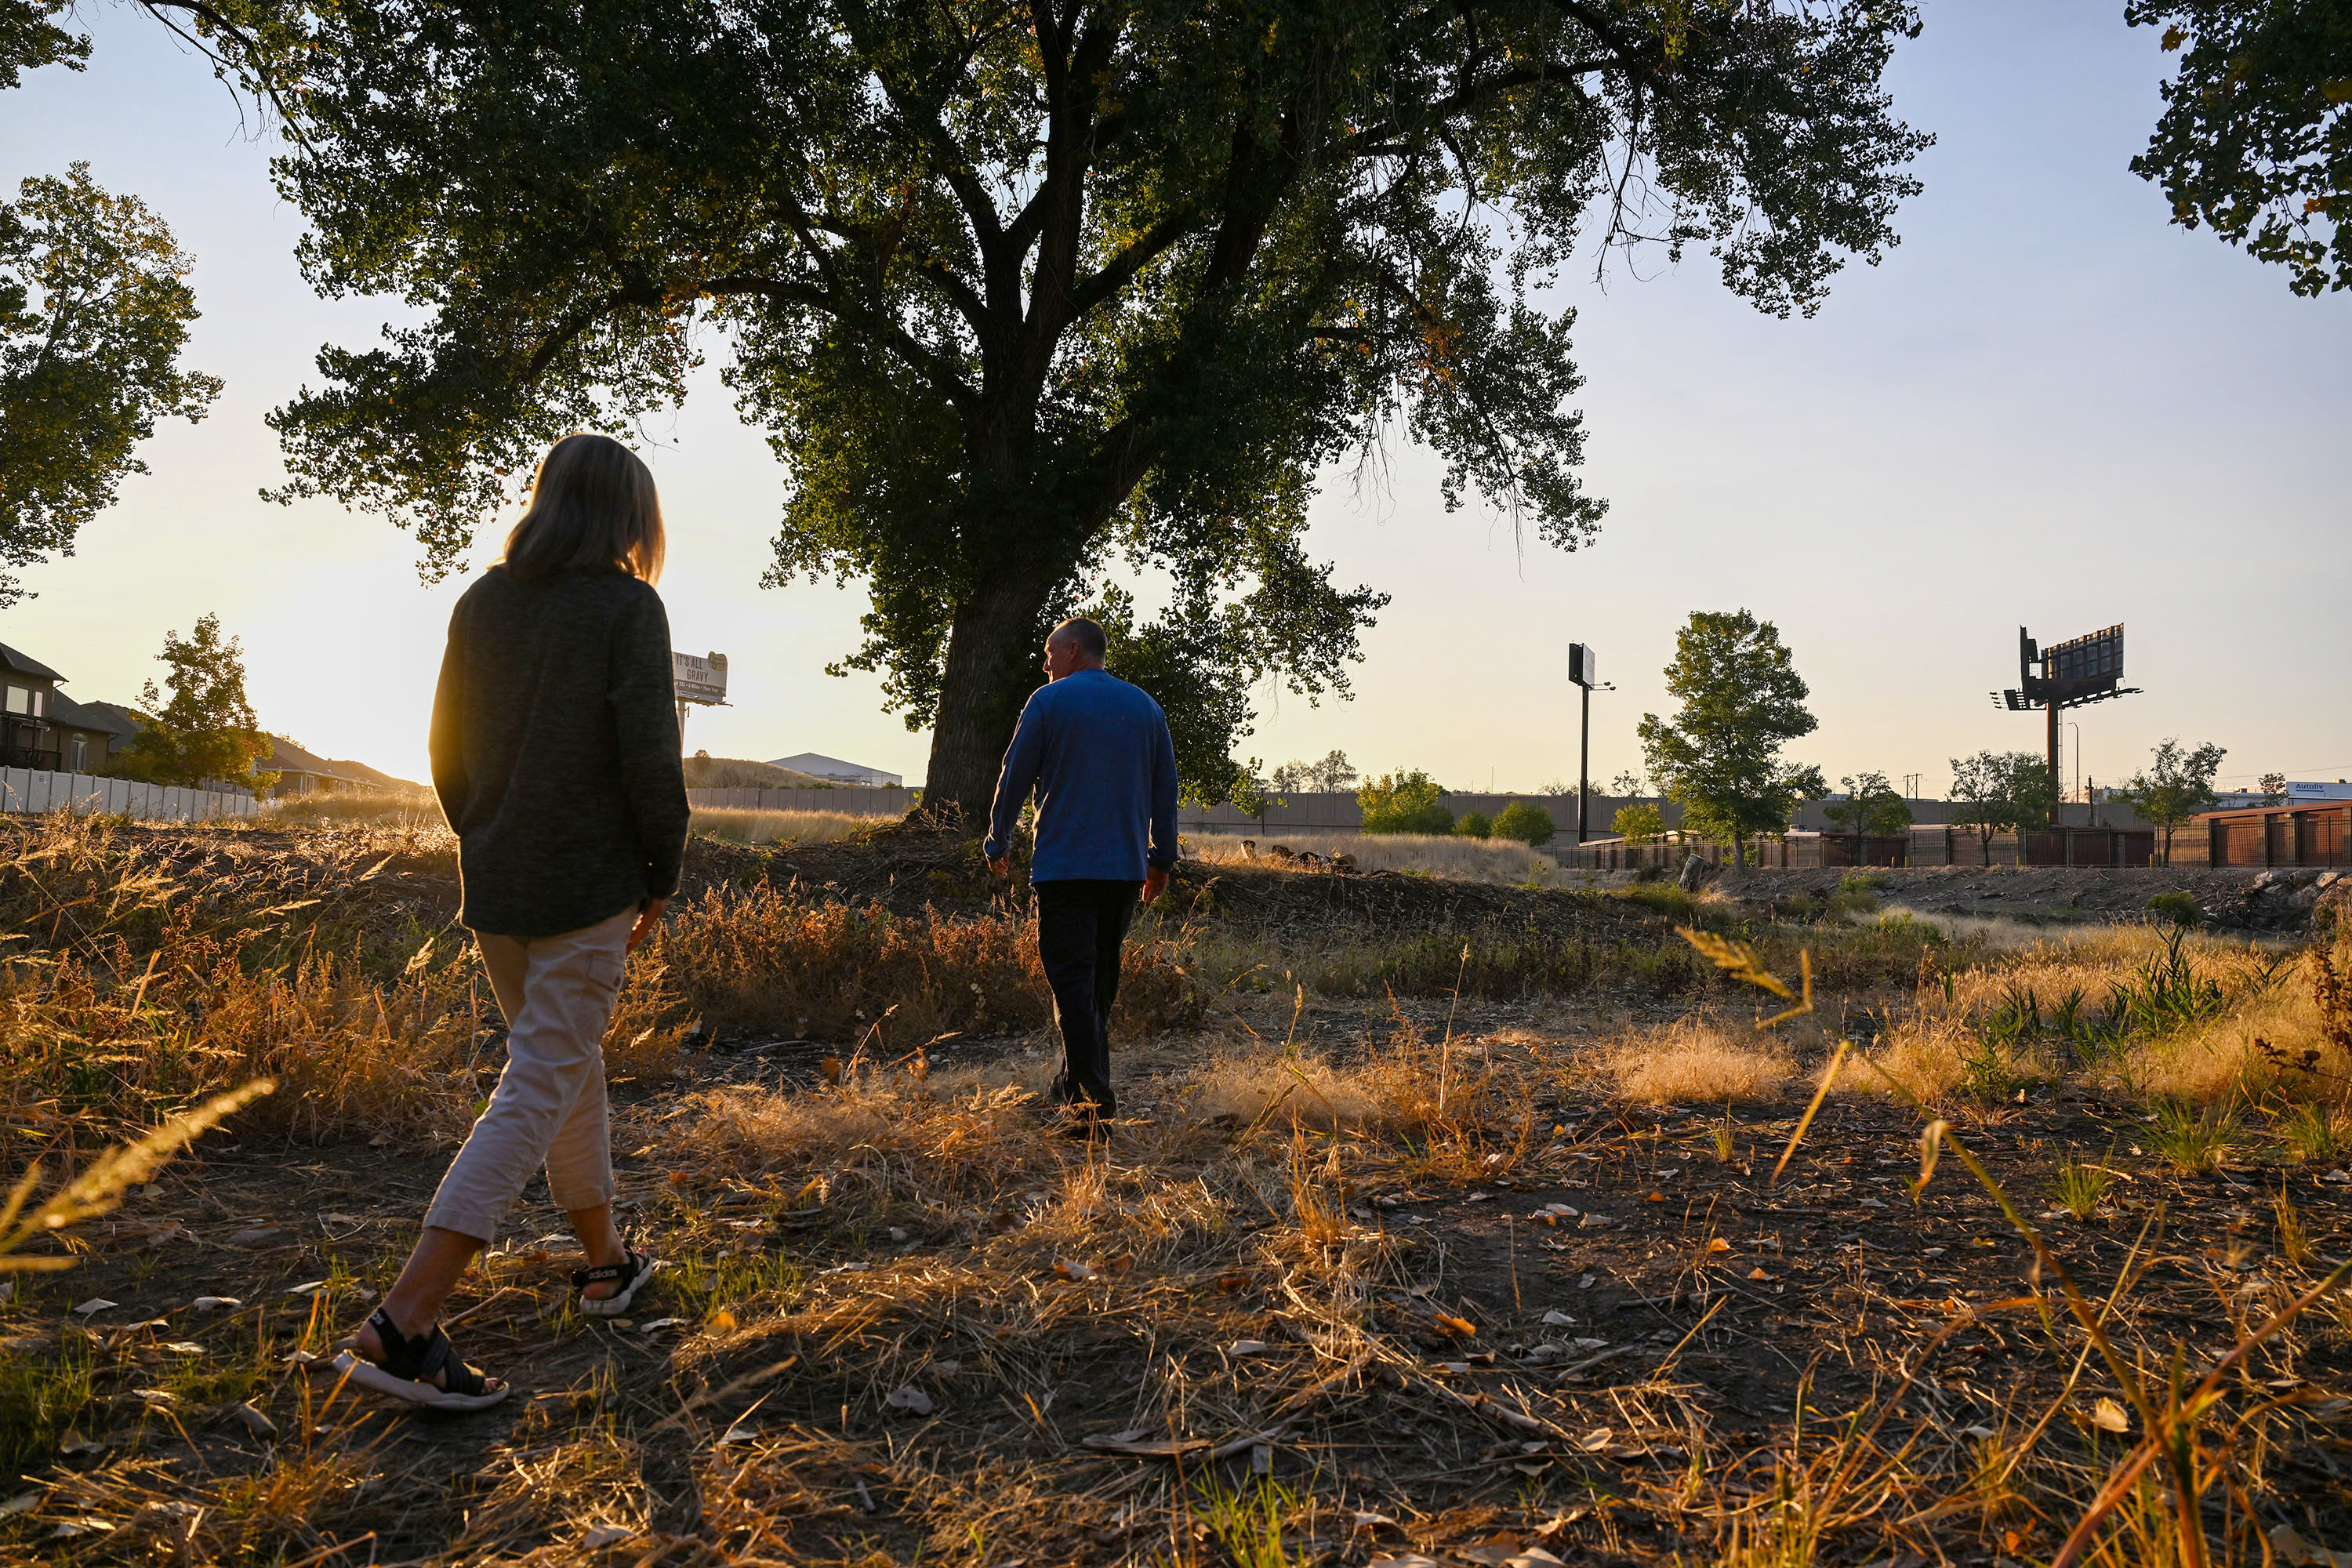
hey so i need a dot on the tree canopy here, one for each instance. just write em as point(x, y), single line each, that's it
point(205, 730)
point(94, 309)
point(1405, 801)
point(1871, 806)
point(1024, 295)
point(2255, 141)
point(2176, 785)
point(1742, 701)
point(1996, 792)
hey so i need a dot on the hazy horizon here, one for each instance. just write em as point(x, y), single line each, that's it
point(2048, 407)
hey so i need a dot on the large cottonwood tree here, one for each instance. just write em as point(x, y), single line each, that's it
point(2255, 141)
point(1021, 292)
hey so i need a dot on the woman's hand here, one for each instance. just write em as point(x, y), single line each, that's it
point(649, 914)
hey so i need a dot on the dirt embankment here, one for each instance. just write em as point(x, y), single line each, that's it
point(2282, 901)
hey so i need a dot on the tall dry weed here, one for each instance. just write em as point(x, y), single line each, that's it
point(1699, 1061)
point(768, 958)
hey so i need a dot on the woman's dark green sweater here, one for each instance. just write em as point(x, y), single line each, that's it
point(556, 751)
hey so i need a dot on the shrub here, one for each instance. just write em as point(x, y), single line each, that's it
point(1473, 825)
point(1530, 825)
point(1642, 824)
point(1403, 802)
point(2178, 907)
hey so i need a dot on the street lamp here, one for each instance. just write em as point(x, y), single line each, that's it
point(1581, 671)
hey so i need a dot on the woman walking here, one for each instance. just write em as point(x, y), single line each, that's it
point(555, 756)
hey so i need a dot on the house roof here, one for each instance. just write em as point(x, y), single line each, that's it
point(26, 665)
point(286, 757)
point(111, 717)
point(823, 766)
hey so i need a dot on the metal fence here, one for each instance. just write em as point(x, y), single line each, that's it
point(1920, 847)
point(28, 789)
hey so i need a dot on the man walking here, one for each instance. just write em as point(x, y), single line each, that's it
point(1098, 754)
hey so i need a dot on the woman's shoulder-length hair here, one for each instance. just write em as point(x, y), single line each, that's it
point(592, 507)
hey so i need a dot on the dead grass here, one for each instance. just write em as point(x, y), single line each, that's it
point(372, 807)
point(2140, 1012)
point(768, 958)
point(1700, 1061)
point(744, 826)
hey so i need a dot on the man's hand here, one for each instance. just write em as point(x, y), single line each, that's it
point(1155, 882)
point(1002, 865)
point(649, 914)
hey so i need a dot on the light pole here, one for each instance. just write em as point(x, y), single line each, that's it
point(2078, 759)
point(1581, 671)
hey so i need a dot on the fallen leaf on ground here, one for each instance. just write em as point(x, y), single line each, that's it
point(1719, 1245)
point(1758, 1273)
point(93, 1306)
point(216, 1303)
point(1245, 1347)
point(1068, 1270)
point(605, 1535)
point(1595, 1440)
point(2108, 1417)
point(2296, 1552)
point(1558, 1319)
point(1451, 1326)
point(909, 1399)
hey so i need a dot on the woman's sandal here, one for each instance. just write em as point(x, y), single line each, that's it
point(630, 1273)
point(409, 1366)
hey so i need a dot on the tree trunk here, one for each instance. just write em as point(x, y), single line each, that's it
point(981, 692)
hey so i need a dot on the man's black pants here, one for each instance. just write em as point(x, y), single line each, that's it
point(1081, 927)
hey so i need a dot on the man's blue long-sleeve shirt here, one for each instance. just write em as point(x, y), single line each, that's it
point(1098, 751)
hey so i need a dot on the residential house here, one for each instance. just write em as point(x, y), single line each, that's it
point(303, 772)
point(42, 728)
point(89, 733)
point(28, 689)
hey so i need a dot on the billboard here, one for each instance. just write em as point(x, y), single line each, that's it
point(2088, 669)
point(2099, 656)
point(702, 681)
point(1580, 666)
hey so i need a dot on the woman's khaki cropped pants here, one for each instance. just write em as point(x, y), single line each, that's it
point(557, 993)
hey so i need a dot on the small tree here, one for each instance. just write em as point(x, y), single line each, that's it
point(1473, 825)
point(1872, 807)
point(2177, 784)
point(1530, 825)
point(1742, 701)
point(1996, 792)
point(206, 729)
point(1628, 785)
point(2273, 786)
point(1403, 802)
point(1642, 824)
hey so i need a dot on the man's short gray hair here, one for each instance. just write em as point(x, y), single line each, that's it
point(1087, 635)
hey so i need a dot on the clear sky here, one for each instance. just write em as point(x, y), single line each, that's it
point(2048, 407)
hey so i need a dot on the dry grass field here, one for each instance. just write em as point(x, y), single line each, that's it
point(1447, 1222)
